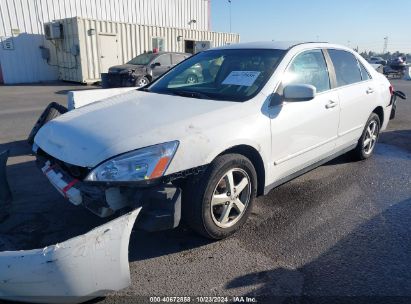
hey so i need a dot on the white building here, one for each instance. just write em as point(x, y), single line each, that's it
point(27, 56)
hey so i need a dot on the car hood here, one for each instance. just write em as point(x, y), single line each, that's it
point(125, 67)
point(92, 134)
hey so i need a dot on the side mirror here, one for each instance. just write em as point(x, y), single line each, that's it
point(299, 92)
point(156, 64)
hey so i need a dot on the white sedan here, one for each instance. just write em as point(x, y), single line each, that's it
point(262, 114)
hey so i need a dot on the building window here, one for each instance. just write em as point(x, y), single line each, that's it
point(158, 44)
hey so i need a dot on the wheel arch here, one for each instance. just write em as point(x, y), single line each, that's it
point(380, 112)
point(254, 156)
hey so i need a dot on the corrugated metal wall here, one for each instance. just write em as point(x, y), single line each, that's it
point(21, 25)
point(133, 39)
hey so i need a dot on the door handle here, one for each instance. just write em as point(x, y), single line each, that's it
point(370, 91)
point(331, 104)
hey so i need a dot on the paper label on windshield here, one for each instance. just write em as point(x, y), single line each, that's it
point(242, 78)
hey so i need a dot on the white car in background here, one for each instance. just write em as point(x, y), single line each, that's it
point(262, 114)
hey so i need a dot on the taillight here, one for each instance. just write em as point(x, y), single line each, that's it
point(391, 90)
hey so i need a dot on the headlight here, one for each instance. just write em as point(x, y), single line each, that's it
point(143, 164)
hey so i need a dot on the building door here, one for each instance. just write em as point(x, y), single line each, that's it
point(108, 51)
point(189, 46)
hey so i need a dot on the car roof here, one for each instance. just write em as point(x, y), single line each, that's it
point(278, 45)
point(162, 53)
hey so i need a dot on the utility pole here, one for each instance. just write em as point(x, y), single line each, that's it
point(229, 7)
point(385, 49)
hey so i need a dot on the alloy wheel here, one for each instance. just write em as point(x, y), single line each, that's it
point(371, 137)
point(142, 82)
point(231, 198)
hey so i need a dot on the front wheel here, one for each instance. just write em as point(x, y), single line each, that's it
point(369, 138)
point(220, 201)
point(191, 79)
point(142, 81)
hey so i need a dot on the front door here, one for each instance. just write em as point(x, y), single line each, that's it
point(161, 64)
point(304, 132)
point(108, 51)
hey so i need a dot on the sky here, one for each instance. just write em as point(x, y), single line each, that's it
point(362, 23)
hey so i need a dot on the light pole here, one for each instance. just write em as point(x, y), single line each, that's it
point(229, 7)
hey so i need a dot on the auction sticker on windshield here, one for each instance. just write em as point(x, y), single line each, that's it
point(242, 78)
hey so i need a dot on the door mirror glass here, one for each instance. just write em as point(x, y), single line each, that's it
point(299, 92)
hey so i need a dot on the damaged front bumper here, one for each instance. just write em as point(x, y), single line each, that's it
point(161, 202)
point(73, 271)
point(92, 264)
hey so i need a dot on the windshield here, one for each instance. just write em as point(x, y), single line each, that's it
point(234, 75)
point(142, 59)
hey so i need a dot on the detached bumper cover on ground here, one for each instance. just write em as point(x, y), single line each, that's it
point(73, 271)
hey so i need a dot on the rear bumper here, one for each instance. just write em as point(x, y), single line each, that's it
point(161, 203)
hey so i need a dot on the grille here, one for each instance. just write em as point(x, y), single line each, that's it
point(74, 171)
point(119, 80)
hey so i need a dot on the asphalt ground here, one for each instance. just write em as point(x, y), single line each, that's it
point(339, 233)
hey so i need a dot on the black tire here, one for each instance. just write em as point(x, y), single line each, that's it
point(192, 79)
point(360, 153)
point(140, 80)
point(198, 192)
point(393, 111)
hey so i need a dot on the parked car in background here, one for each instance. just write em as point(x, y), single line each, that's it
point(144, 68)
point(398, 62)
point(260, 115)
point(396, 67)
point(377, 60)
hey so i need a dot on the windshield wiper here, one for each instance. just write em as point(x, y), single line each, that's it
point(190, 94)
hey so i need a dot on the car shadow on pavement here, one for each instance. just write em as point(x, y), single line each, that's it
point(16, 148)
point(399, 138)
point(146, 245)
point(370, 265)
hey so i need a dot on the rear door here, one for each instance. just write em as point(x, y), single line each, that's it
point(357, 95)
point(177, 58)
point(304, 132)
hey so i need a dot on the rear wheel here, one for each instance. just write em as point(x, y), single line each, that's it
point(219, 202)
point(369, 138)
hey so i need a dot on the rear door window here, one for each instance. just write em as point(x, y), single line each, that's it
point(164, 60)
point(177, 58)
point(346, 67)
